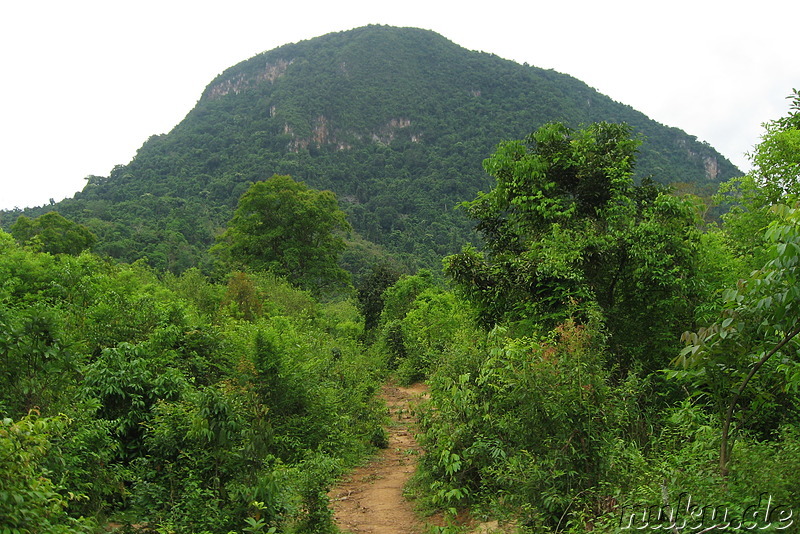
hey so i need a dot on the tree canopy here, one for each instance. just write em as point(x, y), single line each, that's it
point(53, 233)
point(758, 325)
point(566, 231)
point(287, 228)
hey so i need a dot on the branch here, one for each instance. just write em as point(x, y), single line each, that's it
point(724, 456)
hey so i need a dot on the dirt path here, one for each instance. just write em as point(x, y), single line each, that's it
point(370, 500)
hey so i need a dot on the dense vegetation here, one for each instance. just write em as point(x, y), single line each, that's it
point(395, 121)
point(193, 406)
point(576, 409)
point(283, 227)
point(606, 359)
point(562, 399)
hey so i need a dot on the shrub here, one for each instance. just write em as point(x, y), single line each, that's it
point(30, 500)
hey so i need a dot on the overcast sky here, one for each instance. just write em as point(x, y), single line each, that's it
point(85, 83)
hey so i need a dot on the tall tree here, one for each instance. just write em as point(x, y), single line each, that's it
point(567, 232)
point(371, 293)
point(53, 233)
point(747, 358)
point(776, 159)
point(774, 177)
point(285, 227)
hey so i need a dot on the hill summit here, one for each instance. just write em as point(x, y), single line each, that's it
point(396, 121)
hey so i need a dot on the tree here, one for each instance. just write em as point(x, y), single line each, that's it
point(534, 219)
point(371, 293)
point(758, 326)
point(567, 232)
point(776, 159)
point(775, 175)
point(53, 233)
point(760, 320)
point(31, 499)
point(37, 364)
point(285, 227)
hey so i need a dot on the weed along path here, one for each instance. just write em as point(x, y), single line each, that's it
point(370, 500)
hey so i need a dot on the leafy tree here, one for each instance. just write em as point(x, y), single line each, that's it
point(53, 233)
point(775, 175)
point(760, 319)
point(285, 227)
point(30, 499)
point(534, 222)
point(242, 297)
point(125, 382)
point(776, 159)
point(757, 329)
point(566, 231)
point(436, 322)
point(371, 293)
point(37, 364)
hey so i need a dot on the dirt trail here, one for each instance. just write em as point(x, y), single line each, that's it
point(370, 500)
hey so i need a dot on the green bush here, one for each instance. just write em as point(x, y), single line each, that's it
point(30, 499)
point(532, 429)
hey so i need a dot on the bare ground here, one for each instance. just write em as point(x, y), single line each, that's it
point(370, 500)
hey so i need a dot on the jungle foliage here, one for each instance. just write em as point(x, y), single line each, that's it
point(577, 409)
point(561, 398)
point(129, 395)
point(602, 359)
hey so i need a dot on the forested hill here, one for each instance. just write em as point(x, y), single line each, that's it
point(395, 121)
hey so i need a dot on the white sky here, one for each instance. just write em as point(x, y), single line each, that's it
point(84, 83)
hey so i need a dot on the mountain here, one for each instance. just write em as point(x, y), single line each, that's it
point(396, 121)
